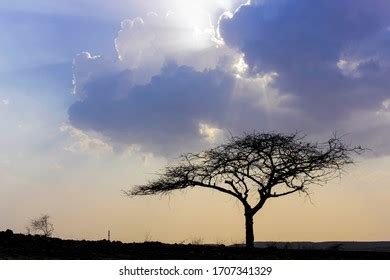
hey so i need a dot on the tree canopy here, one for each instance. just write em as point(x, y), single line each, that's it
point(256, 167)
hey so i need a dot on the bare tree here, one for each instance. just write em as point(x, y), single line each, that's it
point(254, 168)
point(42, 225)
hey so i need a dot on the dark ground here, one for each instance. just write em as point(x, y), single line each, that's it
point(25, 247)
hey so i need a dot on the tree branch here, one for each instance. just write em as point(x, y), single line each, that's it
point(288, 192)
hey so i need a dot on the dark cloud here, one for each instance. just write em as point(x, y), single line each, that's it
point(161, 116)
point(332, 56)
point(332, 60)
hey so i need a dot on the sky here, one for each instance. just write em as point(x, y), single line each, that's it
point(97, 96)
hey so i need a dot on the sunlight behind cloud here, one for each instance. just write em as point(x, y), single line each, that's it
point(151, 39)
point(210, 133)
point(240, 67)
point(195, 9)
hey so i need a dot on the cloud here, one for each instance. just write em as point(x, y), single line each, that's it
point(144, 44)
point(84, 143)
point(171, 85)
point(156, 37)
point(329, 55)
point(115, 10)
point(211, 134)
point(161, 115)
point(180, 108)
point(5, 102)
point(272, 65)
point(87, 68)
point(332, 58)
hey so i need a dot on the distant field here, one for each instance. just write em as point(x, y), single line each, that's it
point(19, 246)
point(374, 246)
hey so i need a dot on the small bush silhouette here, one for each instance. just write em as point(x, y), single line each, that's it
point(41, 226)
point(196, 241)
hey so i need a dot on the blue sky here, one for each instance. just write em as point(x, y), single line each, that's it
point(96, 96)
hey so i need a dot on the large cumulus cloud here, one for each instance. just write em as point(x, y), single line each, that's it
point(179, 109)
point(332, 56)
point(143, 44)
point(162, 115)
point(285, 65)
point(173, 85)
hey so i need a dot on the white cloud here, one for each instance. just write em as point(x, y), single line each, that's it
point(240, 67)
point(209, 133)
point(144, 44)
point(349, 68)
point(5, 102)
point(386, 104)
point(84, 143)
point(259, 89)
point(87, 67)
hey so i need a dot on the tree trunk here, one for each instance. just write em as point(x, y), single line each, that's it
point(249, 235)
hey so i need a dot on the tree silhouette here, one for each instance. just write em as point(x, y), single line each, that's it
point(254, 168)
point(41, 225)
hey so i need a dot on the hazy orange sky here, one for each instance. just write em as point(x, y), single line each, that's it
point(90, 203)
point(97, 96)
